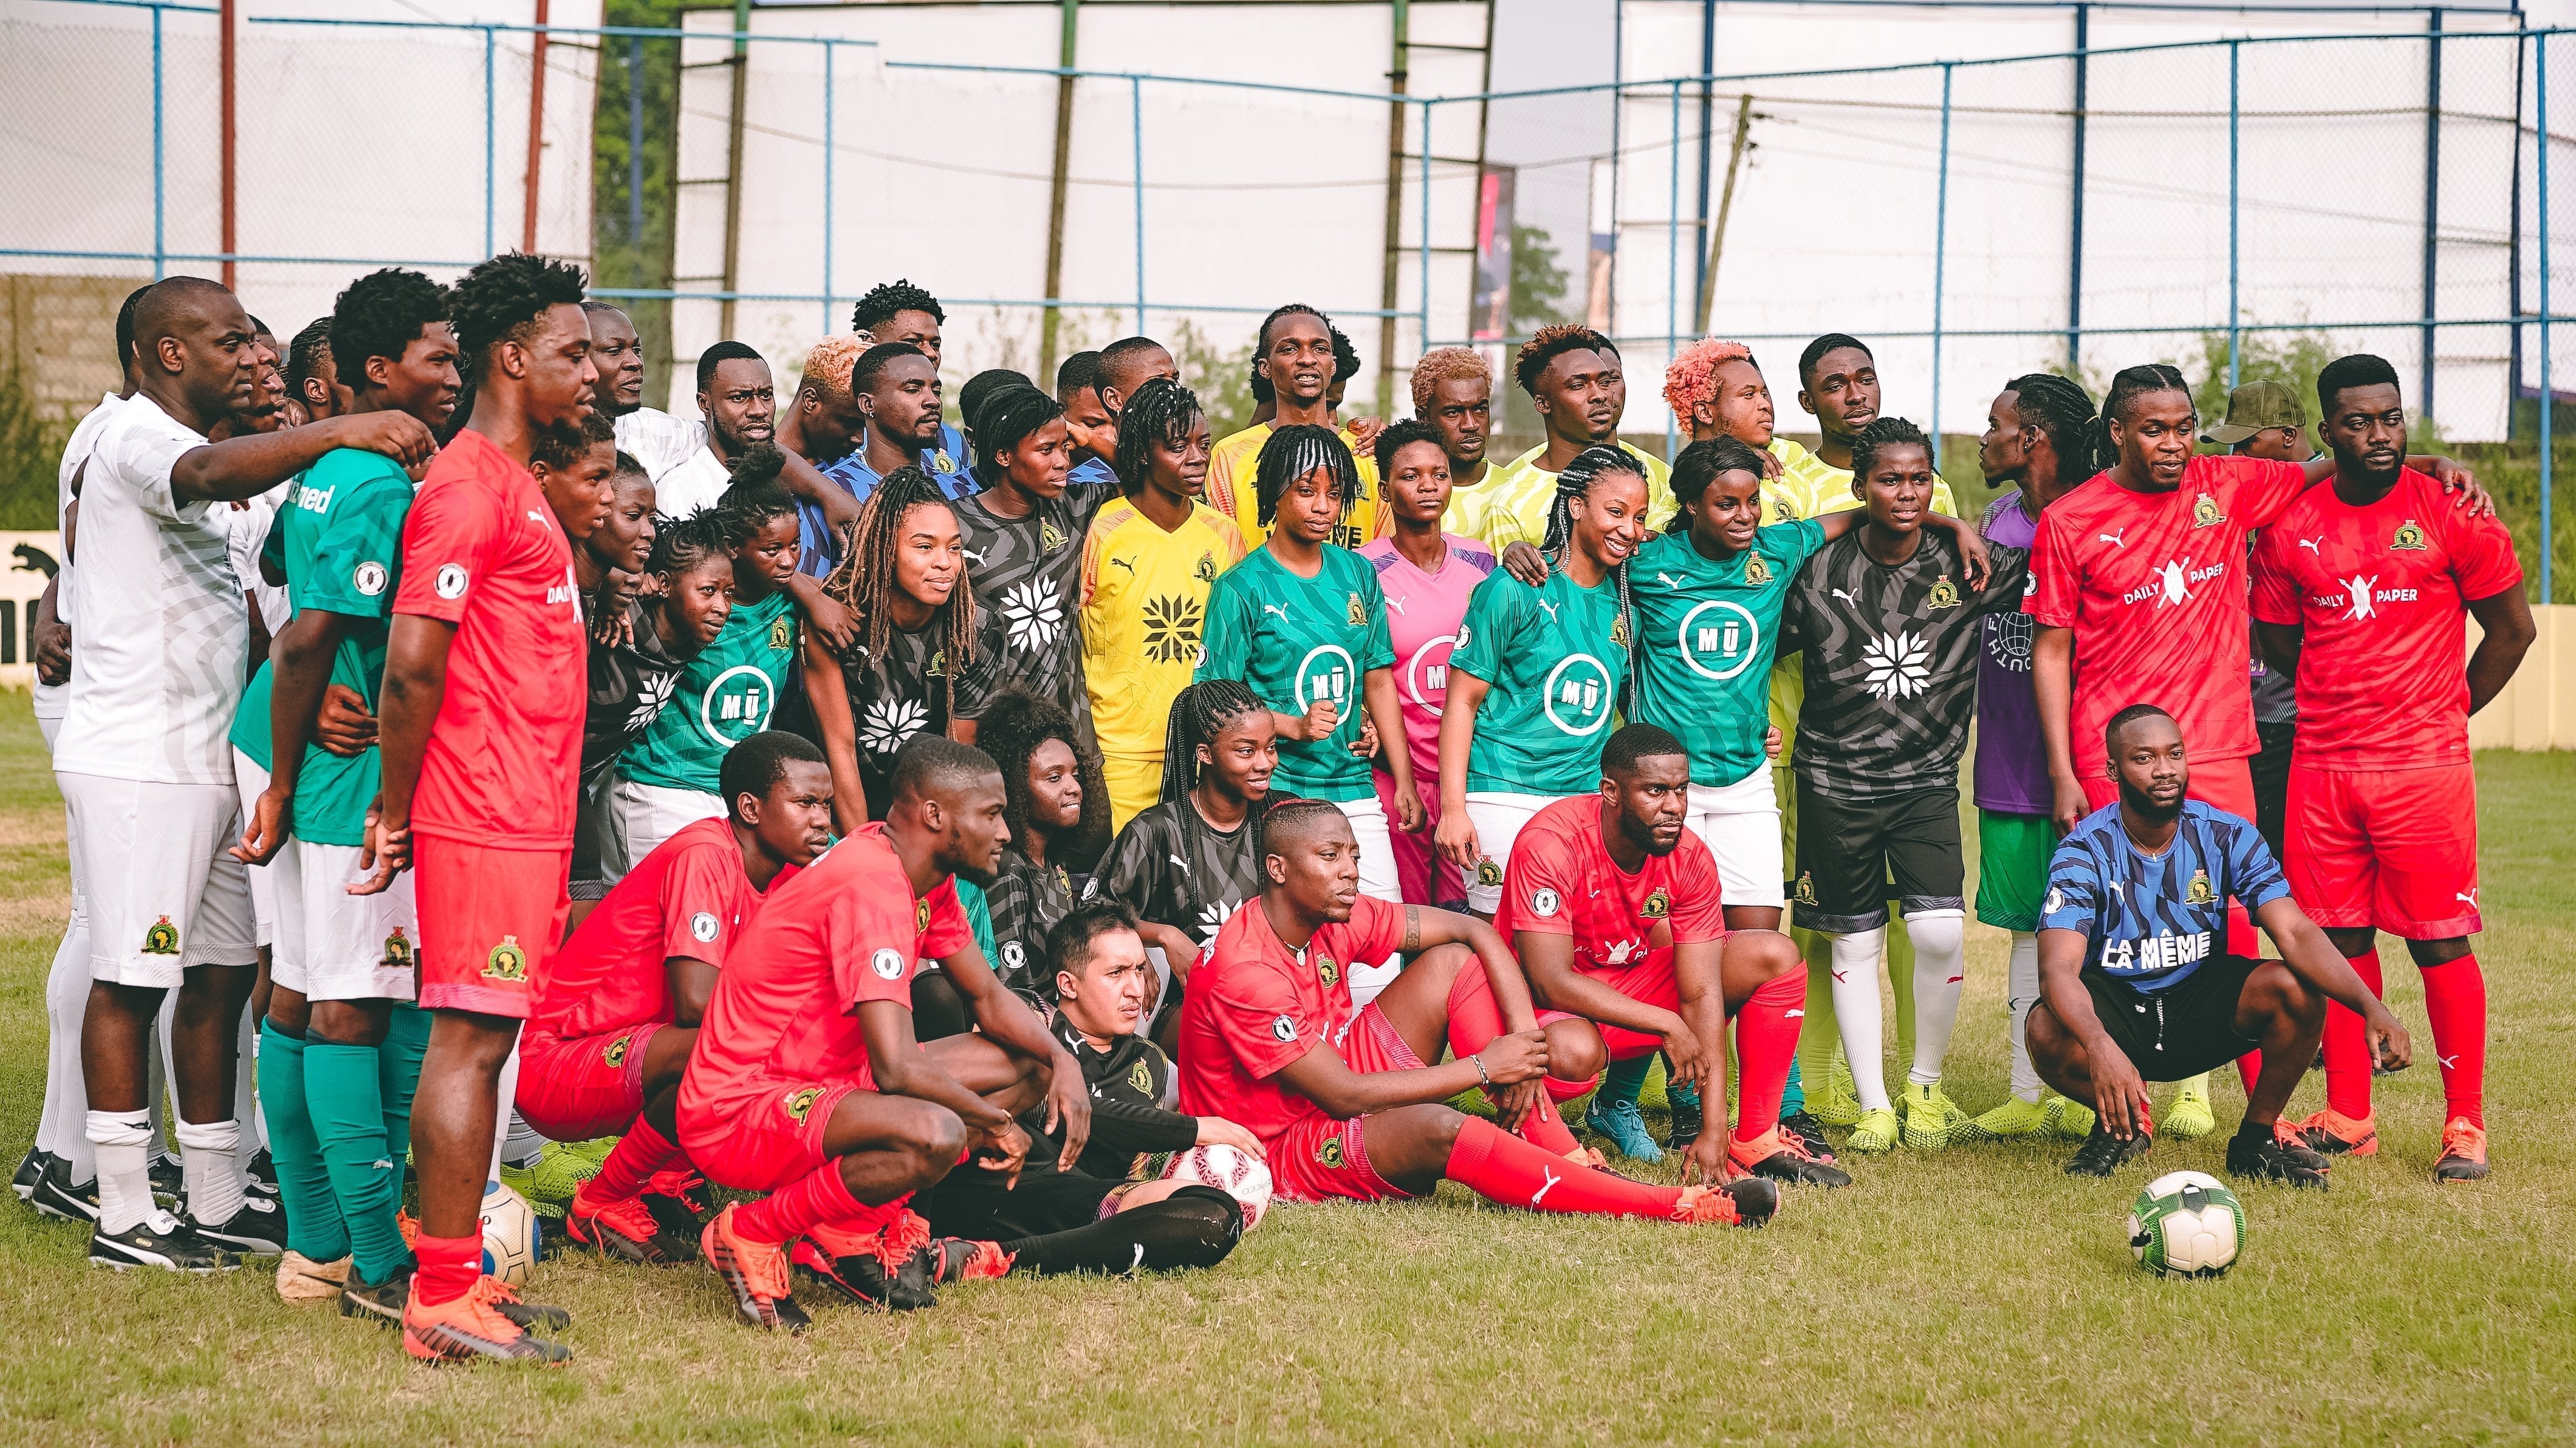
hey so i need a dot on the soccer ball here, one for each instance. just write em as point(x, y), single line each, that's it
point(1235, 1172)
point(509, 1235)
point(2186, 1224)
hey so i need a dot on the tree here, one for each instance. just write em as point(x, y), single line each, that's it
point(1538, 282)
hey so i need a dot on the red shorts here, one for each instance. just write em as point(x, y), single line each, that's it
point(490, 920)
point(584, 1087)
point(1649, 982)
point(1319, 1158)
point(766, 1133)
point(2226, 784)
point(2396, 849)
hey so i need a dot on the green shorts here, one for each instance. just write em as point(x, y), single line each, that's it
point(2012, 868)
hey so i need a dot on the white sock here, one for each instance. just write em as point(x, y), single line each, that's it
point(505, 1117)
point(207, 1170)
point(246, 1097)
point(123, 1140)
point(63, 1130)
point(2022, 980)
point(1940, 973)
point(162, 1070)
point(1856, 1012)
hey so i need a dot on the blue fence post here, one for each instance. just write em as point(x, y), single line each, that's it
point(1136, 133)
point(488, 103)
point(829, 49)
point(1673, 269)
point(2548, 439)
point(1425, 278)
point(1940, 258)
point(2235, 318)
point(160, 165)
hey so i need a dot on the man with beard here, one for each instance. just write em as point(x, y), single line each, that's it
point(740, 404)
point(1573, 378)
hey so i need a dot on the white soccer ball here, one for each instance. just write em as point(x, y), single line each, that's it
point(509, 1235)
point(1231, 1170)
point(2186, 1224)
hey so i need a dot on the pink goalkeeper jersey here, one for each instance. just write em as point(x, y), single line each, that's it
point(1423, 612)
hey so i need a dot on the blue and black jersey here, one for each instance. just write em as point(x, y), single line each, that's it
point(2149, 921)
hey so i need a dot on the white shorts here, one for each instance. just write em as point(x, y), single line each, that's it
point(335, 946)
point(163, 889)
point(1377, 878)
point(1498, 819)
point(252, 781)
point(1740, 824)
point(642, 816)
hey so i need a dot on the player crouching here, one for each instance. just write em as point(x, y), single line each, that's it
point(2135, 980)
point(613, 1025)
point(1343, 1099)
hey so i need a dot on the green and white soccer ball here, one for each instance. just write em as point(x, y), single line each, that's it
point(509, 1235)
point(2186, 1224)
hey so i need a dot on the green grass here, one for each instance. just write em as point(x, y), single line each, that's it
point(1980, 1295)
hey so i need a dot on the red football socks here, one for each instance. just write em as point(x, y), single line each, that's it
point(632, 1162)
point(1503, 1168)
point(449, 1267)
point(2347, 1050)
point(1474, 1021)
point(786, 1214)
point(2455, 996)
point(1766, 1040)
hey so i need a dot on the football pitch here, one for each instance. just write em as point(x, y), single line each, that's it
point(1978, 1295)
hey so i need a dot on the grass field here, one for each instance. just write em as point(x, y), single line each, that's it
point(1979, 1295)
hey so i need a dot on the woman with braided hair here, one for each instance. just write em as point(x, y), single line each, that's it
point(1045, 803)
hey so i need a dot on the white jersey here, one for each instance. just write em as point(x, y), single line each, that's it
point(53, 699)
point(164, 629)
point(696, 485)
point(659, 441)
point(249, 525)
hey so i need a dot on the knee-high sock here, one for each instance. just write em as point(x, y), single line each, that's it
point(1940, 973)
point(1818, 1038)
point(345, 1094)
point(2022, 981)
point(1475, 1019)
point(66, 1125)
point(313, 1223)
point(638, 1154)
point(1766, 1045)
point(398, 1073)
point(2347, 1053)
point(1503, 1168)
point(160, 1073)
point(122, 1140)
point(1856, 1011)
point(501, 1119)
point(1793, 1091)
point(1900, 985)
point(1193, 1227)
point(784, 1215)
point(2455, 996)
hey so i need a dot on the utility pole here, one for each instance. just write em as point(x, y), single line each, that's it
point(1050, 323)
point(741, 62)
point(536, 129)
point(1725, 204)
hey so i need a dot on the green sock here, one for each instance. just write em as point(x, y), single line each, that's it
point(313, 1225)
point(398, 1073)
point(1626, 1079)
point(1818, 1035)
point(1793, 1096)
point(349, 1116)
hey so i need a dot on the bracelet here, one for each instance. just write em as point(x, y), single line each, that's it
point(1483, 1076)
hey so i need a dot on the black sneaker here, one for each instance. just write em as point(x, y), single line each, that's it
point(533, 1316)
point(257, 1230)
point(860, 1277)
point(163, 1242)
point(1686, 1119)
point(263, 1173)
point(169, 1182)
point(56, 1195)
point(31, 1170)
point(1792, 1164)
point(378, 1302)
point(2102, 1153)
point(1803, 1125)
point(2264, 1157)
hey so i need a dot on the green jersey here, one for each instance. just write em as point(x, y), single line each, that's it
point(338, 538)
point(1707, 632)
point(1552, 658)
point(1295, 640)
point(723, 697)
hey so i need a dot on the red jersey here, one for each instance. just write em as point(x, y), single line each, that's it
point(845, 931)
point(689, 898)
point(2381, 591)
point(1254, 1006)
point(482, 551)
point(2153, 584)
point(1562, 881)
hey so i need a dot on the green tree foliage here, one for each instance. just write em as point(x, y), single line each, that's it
point(1538, 282)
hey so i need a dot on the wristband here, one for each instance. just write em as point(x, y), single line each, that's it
point(1483, 1076)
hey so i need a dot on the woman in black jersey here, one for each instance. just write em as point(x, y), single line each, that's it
point(1045, 804)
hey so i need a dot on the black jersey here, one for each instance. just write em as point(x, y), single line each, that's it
point(1027, 574)
point(1891, 663)
point(1025, 901)
point(1132, 1096)
point(630, 682)
point(894, 697)
point(1172, 867)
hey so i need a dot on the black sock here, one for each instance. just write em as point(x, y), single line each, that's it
point(2249, 1130)
point(1194, 1227)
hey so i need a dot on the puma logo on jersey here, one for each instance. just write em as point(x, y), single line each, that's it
point(1280, 609)
point(1845, 597)
point(1668, 581)
point(2470, 899)
point(2310, 544)
point(1550, 606)
point(1395, 603)
point(1122, 563)
point(2113, 538)
point(535, 517)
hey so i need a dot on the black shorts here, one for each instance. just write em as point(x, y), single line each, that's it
point(1850, 849)
point(2176, 1033)
point(971, 1202)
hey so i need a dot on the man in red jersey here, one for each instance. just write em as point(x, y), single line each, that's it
point(1616, 911)
point(1343, 1099)
point(808, 1083)
point(613, 1023)
point(2358, 592)
point(481, 734)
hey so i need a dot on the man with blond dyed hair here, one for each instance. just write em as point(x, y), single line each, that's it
point(1453, 390)
point(819, 427)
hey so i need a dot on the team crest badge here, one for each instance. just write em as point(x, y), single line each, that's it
point(1359, 615)
point(1544, 902)
point(2200, 893)
point(1755, 570)
point(800, 1103)
point(1282, 1029)
point(1619, 632)
point(782, 632)
point(615, 1055)
point(1326, 971)
point(162, 938)
point(398, 950)
point(1050, 537)
point(1206, 571)
point(921, 915)
point(1330, 1153)
point(1141, 1076)
point(941, 462)
point(2204, 512)
point(938, 664)
point(1805, 894)
point(2409, 538)
point(507, 961)
point(1945, 594)
point(888, 963)
point(1659, 905)
point(1488, 874)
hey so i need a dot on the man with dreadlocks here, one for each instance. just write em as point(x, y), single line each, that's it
point(1573, 378)
point(926, 655)
point(1304, 624)
point(1148, 562)
point(1294, 356)
point(1044, 802)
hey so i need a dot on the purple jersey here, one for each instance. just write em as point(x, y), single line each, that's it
point(2012, 759)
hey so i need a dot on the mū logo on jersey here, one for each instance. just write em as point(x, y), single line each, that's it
point(1579, 695)
point(1426, 674)
point(736, 706)
point(1326, 672)
point(2171, 585)
point(1719, 639)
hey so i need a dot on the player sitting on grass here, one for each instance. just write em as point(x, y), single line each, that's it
point(2136, 979)
point(809, 1084)
point(1345, 1101)
point(1616, 912)
point(612, 1028)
